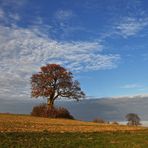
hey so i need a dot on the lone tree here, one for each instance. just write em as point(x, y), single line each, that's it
point(53, 82)
point(133, 119)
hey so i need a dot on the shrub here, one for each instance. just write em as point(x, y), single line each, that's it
point(40, 110)
point(98, 120)
point(59, 112)
point(43, 111)
point(115, 123)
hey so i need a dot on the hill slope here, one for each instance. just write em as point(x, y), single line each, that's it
point(24, 123)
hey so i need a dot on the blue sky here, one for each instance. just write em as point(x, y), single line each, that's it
point(104, 43)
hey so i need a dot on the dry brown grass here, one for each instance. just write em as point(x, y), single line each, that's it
point(26, 123)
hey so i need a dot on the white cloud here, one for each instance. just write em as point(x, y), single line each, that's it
point(125, 98)
point(131, 86)
point(130, 26)
point(126, 27)
point(10, 11)
point(22, 52)
point(20, 44)
point(9, 18)
point(2, 13)
point(14, 16)
point(13, 3)
point(63, 15)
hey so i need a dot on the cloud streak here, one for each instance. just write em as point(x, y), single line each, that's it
point(63, 15)
point(22, 52)
point(130, 26)
point(138, 87)
point(131, 86)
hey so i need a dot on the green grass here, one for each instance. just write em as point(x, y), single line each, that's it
point(18, 131)
point(137, 139)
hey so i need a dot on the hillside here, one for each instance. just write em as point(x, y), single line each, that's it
point(25, 123)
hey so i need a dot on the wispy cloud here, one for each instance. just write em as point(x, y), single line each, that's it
point(13, 3)
point(14, 16)
point(62, 20)
point(9, 18)
point(130, 26)
point(2, 13)
point(23, 43)
point(126, 27)
point(63, 15)
point(145, 56)
point(22, 52)
point(135, 86)
point(131, 86)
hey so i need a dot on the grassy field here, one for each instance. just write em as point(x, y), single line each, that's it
point(27, 131)
point(22, 123)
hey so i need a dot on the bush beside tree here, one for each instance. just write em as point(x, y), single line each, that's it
point(43, 110)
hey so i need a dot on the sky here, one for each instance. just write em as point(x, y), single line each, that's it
point(103, 43)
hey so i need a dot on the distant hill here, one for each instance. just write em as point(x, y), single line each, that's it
point(107, 108)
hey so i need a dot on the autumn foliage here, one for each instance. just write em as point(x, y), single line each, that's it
point(55, 112)
point(53, 82)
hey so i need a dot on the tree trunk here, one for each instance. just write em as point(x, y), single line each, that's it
point(50, 103)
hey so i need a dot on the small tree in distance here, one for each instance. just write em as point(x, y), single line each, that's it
point(133, 119)
point(53, 82)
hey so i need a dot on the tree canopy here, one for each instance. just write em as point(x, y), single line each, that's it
point(133, 119)
point(54, 81)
